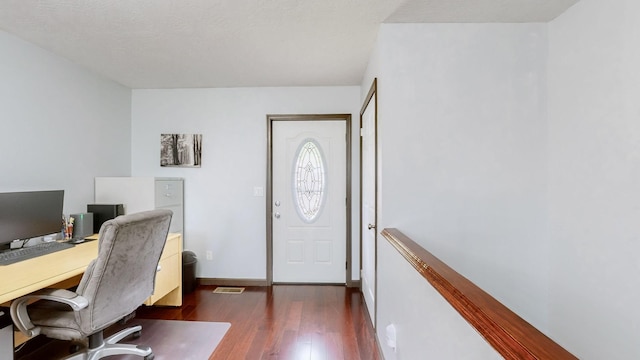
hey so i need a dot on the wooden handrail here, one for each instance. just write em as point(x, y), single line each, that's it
point(508, 333)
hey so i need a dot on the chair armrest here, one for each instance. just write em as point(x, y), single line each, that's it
point(20, 315)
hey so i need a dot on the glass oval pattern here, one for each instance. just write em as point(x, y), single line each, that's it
point(309, 180)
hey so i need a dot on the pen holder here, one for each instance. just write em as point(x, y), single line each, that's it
point(67, 227)
point(68, 232)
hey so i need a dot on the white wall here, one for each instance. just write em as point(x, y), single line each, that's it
point(61, 124)
point(221, 213)
point(463, 136)
point(594, 179)
point(541, 210)
point(426, 325)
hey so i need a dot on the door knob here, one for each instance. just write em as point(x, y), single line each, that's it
point(277, 215)
point(371, 226)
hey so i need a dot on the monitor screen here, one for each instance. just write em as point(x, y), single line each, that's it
point(25, 215)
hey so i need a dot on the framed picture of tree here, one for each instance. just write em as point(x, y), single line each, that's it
point(183, 150)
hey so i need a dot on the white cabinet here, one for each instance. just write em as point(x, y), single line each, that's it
point(144, 193)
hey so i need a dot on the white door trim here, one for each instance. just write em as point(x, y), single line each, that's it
point(269, 193)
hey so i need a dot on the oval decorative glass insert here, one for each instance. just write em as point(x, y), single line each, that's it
point(309, 180)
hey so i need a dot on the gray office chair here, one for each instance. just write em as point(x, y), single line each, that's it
point(114, 285)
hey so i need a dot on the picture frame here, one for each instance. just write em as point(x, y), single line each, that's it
point(181, 150)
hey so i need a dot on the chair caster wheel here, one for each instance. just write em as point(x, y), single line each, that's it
point(74, 348)
point(136, 335)
point(149, 357)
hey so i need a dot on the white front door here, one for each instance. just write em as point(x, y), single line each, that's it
point(309, 201)
point(369, 207)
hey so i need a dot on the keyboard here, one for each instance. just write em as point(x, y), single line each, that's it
point(17, 255)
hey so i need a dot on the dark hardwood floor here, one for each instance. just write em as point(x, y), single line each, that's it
point(282, 322)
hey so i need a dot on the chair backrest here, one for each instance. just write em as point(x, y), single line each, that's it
point(122, 277)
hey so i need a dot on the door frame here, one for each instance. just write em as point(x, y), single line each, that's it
point(269, 193)
point(372, 94)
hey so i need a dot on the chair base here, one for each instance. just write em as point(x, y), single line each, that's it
point(99, 348)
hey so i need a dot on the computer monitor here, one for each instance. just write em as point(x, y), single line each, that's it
point(25, 215)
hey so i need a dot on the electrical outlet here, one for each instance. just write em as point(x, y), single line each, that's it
point(209, 255)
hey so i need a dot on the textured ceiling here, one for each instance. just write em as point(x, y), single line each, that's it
point(232, 43)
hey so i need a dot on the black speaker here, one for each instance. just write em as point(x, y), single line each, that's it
point(82, 225)
point(104, 212)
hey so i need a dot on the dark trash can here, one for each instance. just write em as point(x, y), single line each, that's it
point(189, 261)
